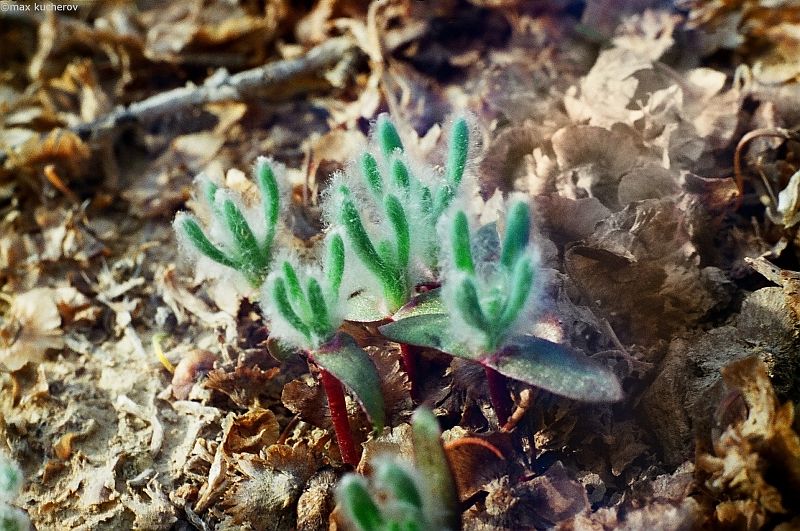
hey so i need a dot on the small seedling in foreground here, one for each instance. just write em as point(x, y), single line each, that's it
point(303, 307)
point(11, 518)
point(408, 499)
point(231, 241)
point(488, 296)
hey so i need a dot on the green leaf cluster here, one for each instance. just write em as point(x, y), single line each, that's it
point(307, 302)
point(408, 210)
point(241, 250)
point(488, 291)
point(400, 498)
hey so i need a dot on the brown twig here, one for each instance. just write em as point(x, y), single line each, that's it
point(220, 86)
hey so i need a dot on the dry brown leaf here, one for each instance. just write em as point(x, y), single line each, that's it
point(755, 461)
point(251, 432)
point(31, 326)
point(265, 497)
point(315, 505)
point(246, 386)
point(641, 269)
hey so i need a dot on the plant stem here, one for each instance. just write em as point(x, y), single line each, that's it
point(410, 356)
point(498, 393)
point(341, 425)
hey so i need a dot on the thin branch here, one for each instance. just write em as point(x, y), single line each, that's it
point(220, 86)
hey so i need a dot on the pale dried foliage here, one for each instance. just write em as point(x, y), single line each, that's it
point(755, 464)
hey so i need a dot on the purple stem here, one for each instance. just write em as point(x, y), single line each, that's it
point(498, 393)
point(341, 425)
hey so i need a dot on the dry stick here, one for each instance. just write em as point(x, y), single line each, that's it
point(220, 86)
point(341, 425)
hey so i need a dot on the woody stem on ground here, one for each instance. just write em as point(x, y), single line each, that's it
point(499, 395)
point(341, 425)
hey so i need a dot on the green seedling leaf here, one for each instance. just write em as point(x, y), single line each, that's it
point(431, 331)
point(345, 360)
point(388, 137)
point(358, 504)
point(429, 302)
point(270, 197)
point(364, 307)
point(281, 298)
point(243, 238)
point(518, 231)
point(462, 252)
point(210, 192)
point(334, 262)
point(433, 466)
point(369, 167)
point(459, 150)
point(397, 217)
point(321, 322)
point(400, 174)
point(359, 238)
point(396, 480)
point(442, 199)
point(519, 290)
point(469, 306)
point(557, 369)
point(199, 240)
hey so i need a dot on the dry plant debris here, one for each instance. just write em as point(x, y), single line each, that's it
point(656, 144)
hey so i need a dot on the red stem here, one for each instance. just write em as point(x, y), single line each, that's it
point(341, 425)
point(410, 357)
point(498, 392)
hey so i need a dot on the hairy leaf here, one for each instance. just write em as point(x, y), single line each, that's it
point(462, 253)
point(557, 369)
point(518, 229)
point(388, 136)
point(270, 197)
point(358, 505)
point(429, 302)
point(400, 174)
point(364, 307)
point(433, 465)
point(369, 167)
point(397, 217)
point(431, 331)
point(243, 238)
point(281, 298)
point(459, 150)
point(334, 262)
point(399, 482)
point(345, 360)
point(199, 240)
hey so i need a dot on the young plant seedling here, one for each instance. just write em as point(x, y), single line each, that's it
point(11, 518)
point(234, 243)
point(486, 303)
point(399, 246)
point(408, 499)
point(303, 307)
